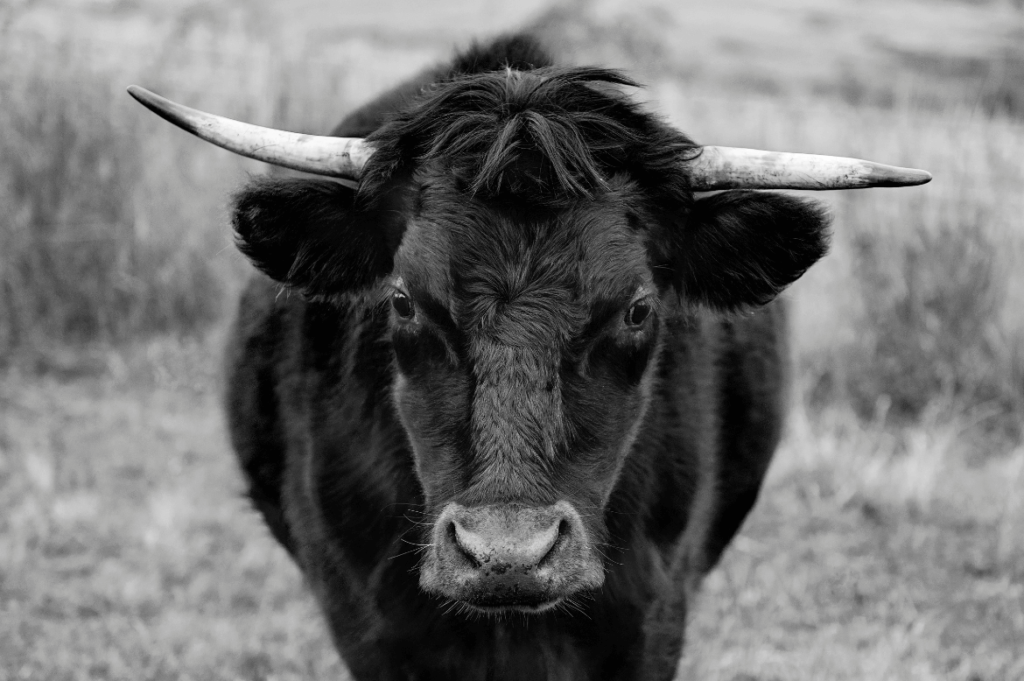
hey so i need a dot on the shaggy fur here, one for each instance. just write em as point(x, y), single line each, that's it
point(519, 212)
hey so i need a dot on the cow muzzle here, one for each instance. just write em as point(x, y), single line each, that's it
point(510, 557)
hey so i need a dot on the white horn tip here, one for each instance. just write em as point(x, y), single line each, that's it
point(165, 108)
point(894, 176)
point(140, 94)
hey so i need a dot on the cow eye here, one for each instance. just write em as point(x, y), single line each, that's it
point(638, 313)
point(402, 304)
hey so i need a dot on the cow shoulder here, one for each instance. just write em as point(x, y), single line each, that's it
point(753, 387)
point(254, 419)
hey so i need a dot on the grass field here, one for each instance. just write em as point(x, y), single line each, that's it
point(889, 543)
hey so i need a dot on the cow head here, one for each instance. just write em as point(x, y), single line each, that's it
point(532, 235)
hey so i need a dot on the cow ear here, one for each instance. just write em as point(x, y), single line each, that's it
point(742, 248)
point(309, 235)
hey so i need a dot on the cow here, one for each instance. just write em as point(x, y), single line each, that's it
point(509, 380)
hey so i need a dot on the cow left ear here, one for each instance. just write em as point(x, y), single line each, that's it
point(309, 235)
point(742, 248)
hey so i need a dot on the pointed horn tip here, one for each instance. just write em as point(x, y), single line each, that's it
point(139, 94)
point(176, 114)
point(921, 177)
point(901, 177)
point(148, 99)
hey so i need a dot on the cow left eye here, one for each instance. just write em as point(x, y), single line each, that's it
point(638, 313)
point(402, 305)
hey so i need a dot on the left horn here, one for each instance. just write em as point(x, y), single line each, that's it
point(342, 157)
point(734, 168)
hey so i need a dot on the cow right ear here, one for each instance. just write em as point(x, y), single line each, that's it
point(309, 235)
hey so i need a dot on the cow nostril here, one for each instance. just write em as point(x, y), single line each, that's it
point(561, 536)
point(563, 528)
point(455, 538)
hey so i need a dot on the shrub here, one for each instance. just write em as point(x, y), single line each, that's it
point(929, 331)
point(932, 301)
point(80, 257)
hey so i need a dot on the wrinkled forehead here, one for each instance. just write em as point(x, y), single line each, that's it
point(494, 260)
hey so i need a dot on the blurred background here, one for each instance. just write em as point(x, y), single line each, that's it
point(889, 542)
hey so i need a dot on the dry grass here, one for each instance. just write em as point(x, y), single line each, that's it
point(889, 541)
point(901, 560)
point(126, 549)
point(99, 239)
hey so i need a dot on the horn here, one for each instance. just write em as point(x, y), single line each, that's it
point(341, 157)
point(734, 168)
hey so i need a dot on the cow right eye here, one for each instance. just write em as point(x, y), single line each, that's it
point(638, 313)
point(403, 306)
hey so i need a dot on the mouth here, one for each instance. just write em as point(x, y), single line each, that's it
point(497, 608)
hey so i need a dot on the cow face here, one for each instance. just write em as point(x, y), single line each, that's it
point(526, 342)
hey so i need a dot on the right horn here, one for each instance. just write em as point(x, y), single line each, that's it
point(341, 157)
point(735, 168)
